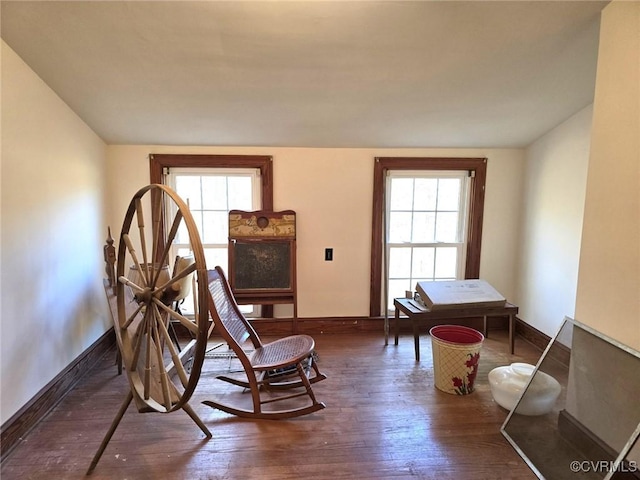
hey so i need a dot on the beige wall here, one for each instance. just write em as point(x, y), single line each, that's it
point(553, 206)
point(608, 294)
point(603, 387)
point(605, 281)
point(331, 190)
point(52, 235)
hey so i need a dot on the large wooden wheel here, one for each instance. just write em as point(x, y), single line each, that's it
point(161, 377)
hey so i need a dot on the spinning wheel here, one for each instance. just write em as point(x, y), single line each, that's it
point(145, 291)
point(161, 378)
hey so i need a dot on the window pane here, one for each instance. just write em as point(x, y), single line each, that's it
point(399, 262)
point(215, 227)
point(401, 194)
point(424, 225)
point(426, 212)
point(210, 194)
point(214, 190)
point(188, 188)
point(447, 227)
point(183, 235)
point(217, 257)
point(446, 265)
point(448, 194)
point(426, 191)
point(423, 262)
point(240, 193)
point(399, 227)
point(397, 289)
point(183, 252)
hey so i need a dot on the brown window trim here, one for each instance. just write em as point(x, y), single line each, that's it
point(478, 167)
point(159, 161)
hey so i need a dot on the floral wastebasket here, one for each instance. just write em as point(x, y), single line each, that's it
point(456, 353)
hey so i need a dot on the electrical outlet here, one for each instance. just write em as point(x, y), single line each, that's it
point(328, 254)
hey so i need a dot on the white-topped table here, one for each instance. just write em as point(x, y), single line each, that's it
point(418, 314)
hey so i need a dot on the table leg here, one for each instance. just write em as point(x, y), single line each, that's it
point(396, 326)
point(485, 331)
point(416, 338)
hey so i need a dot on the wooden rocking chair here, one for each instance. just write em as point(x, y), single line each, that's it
point(286, 363)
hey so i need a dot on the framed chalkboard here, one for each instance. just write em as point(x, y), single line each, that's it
point(262, 265)
point(262, 257)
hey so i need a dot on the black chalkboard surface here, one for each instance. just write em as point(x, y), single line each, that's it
point(262, 265)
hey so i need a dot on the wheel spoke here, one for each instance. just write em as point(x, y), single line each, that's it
point(147, 360)
point(183, 273)
point(138, 343)
point(170, 237)
point(133, 316)
point(157, 201)
point(182, 373)
point(143, 240)
point(164, 381)
point(129, 283)
point(174, 229)
point(191, 326)
point(173, 280)
point(134, 256)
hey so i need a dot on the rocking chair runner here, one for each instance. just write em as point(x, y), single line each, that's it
point(286, 363)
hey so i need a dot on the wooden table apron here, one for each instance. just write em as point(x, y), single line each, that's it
point(432, 318)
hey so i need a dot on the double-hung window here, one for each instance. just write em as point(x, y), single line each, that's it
point(211, 194)
point(427, 223)
point(212, 185)
point(426, 216)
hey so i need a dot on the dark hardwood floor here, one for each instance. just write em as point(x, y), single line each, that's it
point(384, 420)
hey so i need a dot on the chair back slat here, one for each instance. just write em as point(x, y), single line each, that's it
point(226, 308)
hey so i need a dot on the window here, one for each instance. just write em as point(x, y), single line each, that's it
point(434, 222)
point(426, 219)
point(212, 185)
point(211, 194)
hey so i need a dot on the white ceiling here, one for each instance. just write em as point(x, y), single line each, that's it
point(313, 73)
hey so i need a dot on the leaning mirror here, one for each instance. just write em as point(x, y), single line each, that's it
point(577, 413)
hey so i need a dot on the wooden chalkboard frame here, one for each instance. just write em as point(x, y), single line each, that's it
point(262, 257)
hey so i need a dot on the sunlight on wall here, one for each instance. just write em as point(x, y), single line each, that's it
point(53, 304)
point(609, 281)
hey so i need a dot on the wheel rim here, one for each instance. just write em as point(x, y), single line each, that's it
point(161, 377)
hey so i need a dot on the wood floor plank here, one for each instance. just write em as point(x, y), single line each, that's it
point(384, 420)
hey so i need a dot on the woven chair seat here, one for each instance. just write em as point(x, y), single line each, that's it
point(282, 352)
